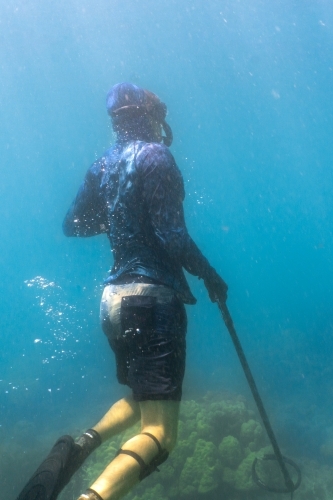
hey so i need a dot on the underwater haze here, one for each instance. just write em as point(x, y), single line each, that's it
point(249, 90)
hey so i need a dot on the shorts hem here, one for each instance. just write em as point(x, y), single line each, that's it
point(157, 397)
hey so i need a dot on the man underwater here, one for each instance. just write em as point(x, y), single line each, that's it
point(134, 193)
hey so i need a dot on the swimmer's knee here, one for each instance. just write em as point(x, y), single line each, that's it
point(169, 442)
point(148, 468)
point(166, 437)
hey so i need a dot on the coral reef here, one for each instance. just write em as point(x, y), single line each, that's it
point(219, 436)
point(218, 441)
point(200, 471)
point(230, 452)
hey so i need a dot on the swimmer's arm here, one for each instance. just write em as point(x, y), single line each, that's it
point(164, 194)
point(87, 214)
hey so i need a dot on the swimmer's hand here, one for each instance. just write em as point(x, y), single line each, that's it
point(216, 287)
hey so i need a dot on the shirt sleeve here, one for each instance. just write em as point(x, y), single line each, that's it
point(87, 214)
point(163, 191)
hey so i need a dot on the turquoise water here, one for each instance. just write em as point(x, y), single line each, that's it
point(248, 86)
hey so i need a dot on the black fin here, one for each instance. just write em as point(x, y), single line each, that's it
point(53, 474)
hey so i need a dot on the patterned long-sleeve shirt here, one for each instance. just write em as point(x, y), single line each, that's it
point(134, 194)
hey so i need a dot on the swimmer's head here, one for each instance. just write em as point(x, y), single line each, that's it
point(137, 113)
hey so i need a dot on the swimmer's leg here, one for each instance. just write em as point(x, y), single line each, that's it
point(158, 419)
point(122, 415)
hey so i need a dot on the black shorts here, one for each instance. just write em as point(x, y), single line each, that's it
point(151, 349)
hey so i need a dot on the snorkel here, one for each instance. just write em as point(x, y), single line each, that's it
point(158, 110)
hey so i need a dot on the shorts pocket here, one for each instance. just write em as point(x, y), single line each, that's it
point(137, 316)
